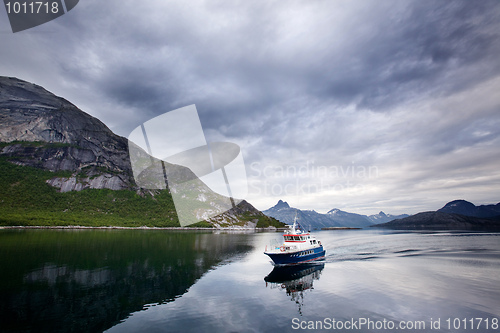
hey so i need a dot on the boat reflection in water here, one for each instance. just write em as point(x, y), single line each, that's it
point(295, 280)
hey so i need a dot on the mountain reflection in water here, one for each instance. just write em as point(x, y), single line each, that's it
point(89, 280)
point(295, 280)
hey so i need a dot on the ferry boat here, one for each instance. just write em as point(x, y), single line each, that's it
point(298, 247)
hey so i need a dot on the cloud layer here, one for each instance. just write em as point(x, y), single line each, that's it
point(316, 93)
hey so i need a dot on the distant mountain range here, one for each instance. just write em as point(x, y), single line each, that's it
point(455, 215)
point(333, 218)
point(382, 217)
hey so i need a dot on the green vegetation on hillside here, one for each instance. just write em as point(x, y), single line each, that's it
point(27, 200)
point(263, 221)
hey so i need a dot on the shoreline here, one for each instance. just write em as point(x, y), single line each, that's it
point(341, 228)
point(78, 227)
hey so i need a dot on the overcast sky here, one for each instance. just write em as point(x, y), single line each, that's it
point(358, 105)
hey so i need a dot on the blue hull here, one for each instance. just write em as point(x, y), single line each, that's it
point(297, 257)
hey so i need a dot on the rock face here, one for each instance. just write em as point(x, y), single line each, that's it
point(234, 217)
point(62, 138)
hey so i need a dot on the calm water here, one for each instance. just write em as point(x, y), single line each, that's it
point(165, 281)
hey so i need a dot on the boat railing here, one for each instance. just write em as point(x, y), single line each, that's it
point(275, 245)
point(280, 247)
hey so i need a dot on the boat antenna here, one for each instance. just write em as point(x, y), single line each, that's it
point(297, 223)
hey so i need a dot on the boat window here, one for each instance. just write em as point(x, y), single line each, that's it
point(314, 241)
point(296, 237)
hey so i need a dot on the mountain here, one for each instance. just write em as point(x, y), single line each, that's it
point(442, 221)
point(383, 217)
point(349, 219)
point(455, 215)
point(334, 218)
point(307, 218)
point(62, 166)
point(281, 205)
point(64, 139)
point(469, 209)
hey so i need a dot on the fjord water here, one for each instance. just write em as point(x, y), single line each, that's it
point(178, 281)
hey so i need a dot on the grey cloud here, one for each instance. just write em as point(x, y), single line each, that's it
point(334, 82)
point(243, 69)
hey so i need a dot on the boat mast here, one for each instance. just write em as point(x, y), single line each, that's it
point(294, 226)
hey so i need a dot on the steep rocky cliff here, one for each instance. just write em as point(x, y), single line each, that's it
point(48, 132)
